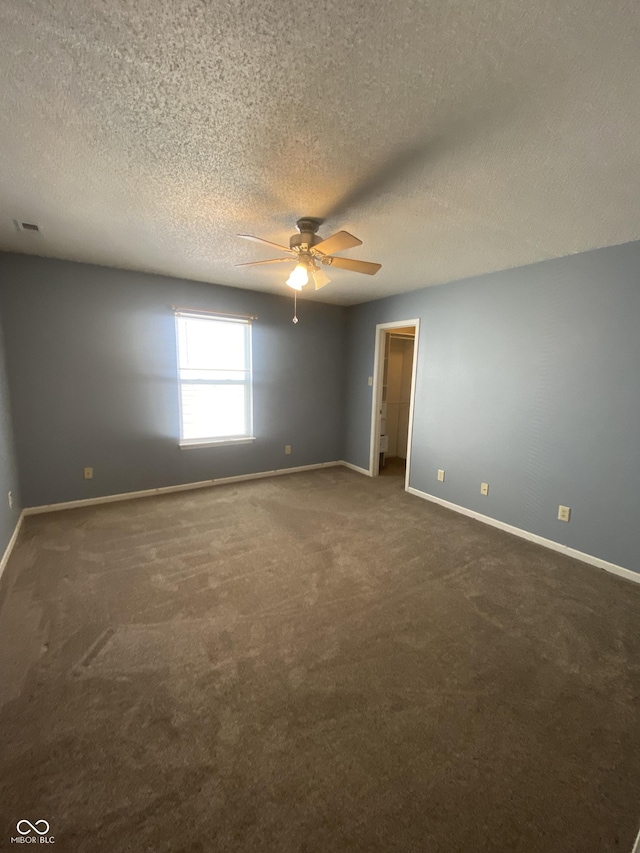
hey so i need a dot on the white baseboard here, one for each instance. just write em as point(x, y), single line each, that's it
point(11, 543)
point(629, 574)
point(164, 490)
point(357, 468)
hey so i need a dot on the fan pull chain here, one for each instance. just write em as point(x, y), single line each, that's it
point(295, 307)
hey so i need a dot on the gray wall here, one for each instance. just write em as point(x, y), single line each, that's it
point(529, 380)
point(8, 466)
point(92, 370)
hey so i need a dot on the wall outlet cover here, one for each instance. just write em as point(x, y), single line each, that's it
point(441, 475)
point(88, 473)
point(564, 513)
point(484, 488)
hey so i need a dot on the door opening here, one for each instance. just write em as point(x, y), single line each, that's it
point(392, 415)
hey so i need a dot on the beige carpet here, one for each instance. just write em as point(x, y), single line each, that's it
point(315, 662)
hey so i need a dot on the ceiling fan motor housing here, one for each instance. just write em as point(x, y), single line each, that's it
point(307, 236)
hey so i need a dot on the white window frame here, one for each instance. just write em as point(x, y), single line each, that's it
point(244, 438)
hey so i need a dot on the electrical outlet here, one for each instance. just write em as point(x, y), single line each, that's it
point(88, 473)
point(484, 488)
point(287, 449)
point(441, 475)
point(10, 499)
point(370, 381)
point(564, 513)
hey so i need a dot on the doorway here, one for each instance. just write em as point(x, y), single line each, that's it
point(392, 405)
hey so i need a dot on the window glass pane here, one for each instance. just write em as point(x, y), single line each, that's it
point(212, 344)
point(213, 411)
point(215, 377)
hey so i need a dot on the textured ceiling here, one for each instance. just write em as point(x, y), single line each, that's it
point(452, 137)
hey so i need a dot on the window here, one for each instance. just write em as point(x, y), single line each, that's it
point(214, 373)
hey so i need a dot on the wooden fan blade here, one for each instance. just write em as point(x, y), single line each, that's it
point(355, 266)
point(337, 243)
point(266, 242)
point(270, 261)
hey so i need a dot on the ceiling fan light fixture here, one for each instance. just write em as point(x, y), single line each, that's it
point(299, 277)
point(311, 253)
point(320, 278)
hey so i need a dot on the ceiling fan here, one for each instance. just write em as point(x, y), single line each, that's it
point(310, 251)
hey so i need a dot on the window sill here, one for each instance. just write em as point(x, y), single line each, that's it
point(215, 442)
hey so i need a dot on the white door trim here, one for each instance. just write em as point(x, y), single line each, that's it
point(376, 396)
